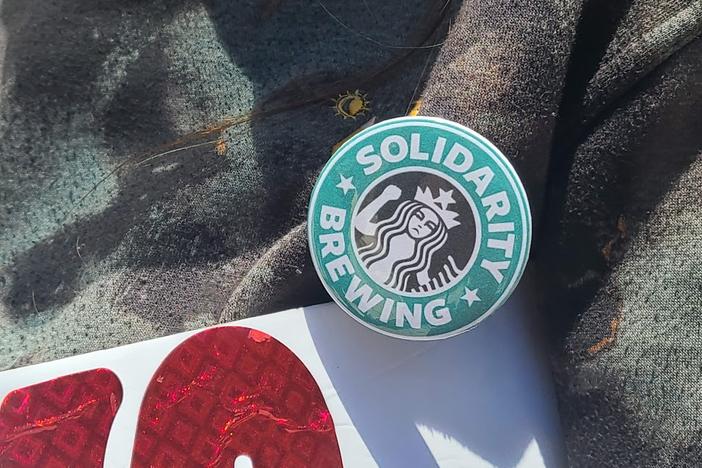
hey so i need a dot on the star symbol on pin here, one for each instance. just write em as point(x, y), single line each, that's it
point(346, 184)
point(471, 296)
point(445, 198)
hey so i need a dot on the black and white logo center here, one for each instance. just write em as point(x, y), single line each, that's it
point(414, 232)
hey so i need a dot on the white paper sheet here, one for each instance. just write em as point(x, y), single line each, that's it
point(481, 399)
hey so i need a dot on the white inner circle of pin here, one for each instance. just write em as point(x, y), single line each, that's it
point(415, 231)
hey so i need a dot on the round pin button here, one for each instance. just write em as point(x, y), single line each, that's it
point(419, 227)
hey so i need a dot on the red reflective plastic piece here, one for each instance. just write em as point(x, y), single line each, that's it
point(60, 423)
point(233, 391)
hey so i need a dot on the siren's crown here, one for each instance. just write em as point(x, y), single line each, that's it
point(439, 204)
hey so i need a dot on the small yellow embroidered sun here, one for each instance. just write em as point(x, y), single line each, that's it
point(351, 104)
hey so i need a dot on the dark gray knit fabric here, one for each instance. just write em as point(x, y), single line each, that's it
point(157, 159)
point(627, 288)
point(598, 106)
point(123, 217)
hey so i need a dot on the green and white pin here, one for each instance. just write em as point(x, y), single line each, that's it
point(419, 228)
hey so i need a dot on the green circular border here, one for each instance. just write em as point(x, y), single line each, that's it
point(500, 160)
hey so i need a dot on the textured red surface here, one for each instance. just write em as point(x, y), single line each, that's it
point(233, 391)
point(63, 422)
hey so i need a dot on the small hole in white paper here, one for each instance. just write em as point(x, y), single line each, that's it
point(243, 461)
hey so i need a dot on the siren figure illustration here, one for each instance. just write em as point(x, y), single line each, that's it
point(403, 245)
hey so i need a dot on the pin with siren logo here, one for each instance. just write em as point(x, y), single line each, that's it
point(419, 227)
